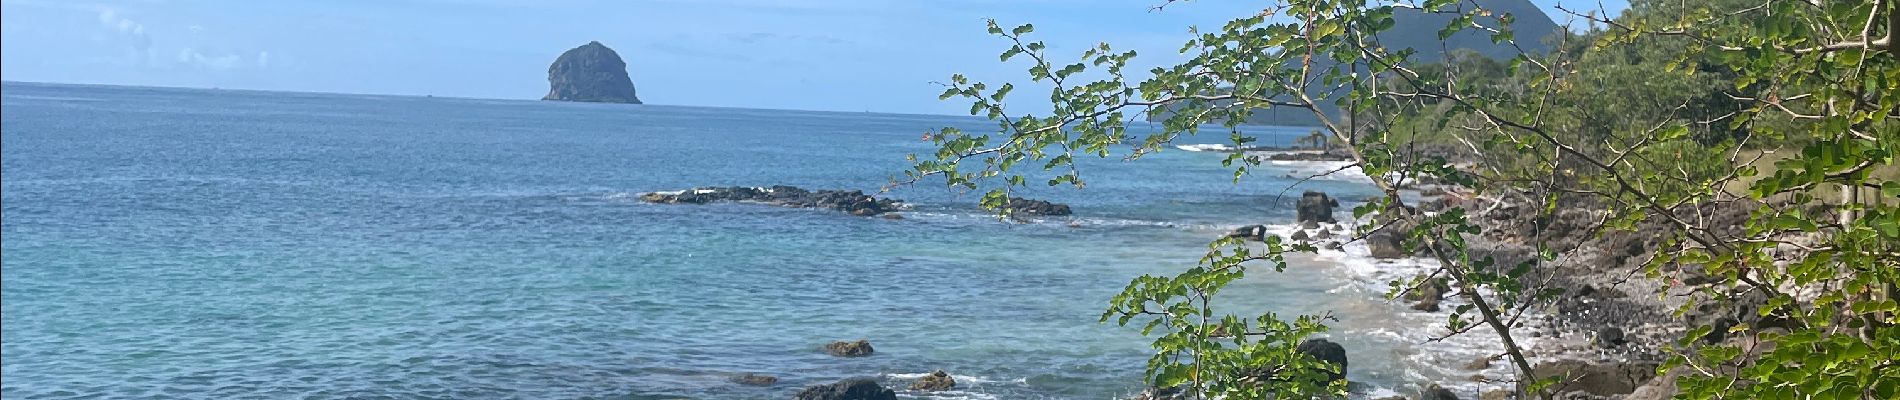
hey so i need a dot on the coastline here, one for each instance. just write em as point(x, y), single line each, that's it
point(1606, 340)
point(1469, 364)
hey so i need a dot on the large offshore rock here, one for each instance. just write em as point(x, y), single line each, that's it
point(590, 73)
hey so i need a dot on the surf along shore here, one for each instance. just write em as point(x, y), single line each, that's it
point(1607, 341)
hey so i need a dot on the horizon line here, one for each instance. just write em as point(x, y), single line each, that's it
point(120, 85)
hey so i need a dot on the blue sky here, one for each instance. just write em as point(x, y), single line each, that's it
point(841, 55)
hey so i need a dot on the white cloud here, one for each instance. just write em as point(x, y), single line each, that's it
point(223, 62)
point(115, 21)
point(263, 59)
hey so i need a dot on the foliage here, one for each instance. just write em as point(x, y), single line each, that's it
point(1646, 117)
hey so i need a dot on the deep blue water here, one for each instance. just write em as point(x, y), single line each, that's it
point(178, 243)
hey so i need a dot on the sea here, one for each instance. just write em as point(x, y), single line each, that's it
point(220, 244)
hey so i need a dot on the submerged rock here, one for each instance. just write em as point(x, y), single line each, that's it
point(852, 202)
point(1326, 351)
point(590, 73)
point(858, 348)
point(934, 382)
point(1315, 207)
point(755, 379)
point(848, 389)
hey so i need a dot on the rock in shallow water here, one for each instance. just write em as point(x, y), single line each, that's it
point(858, 348)
point(1435, 392)
point(1481, 363)
point(1327, 351)
point(1250, 232)
point(1020, 206)
point(1315, 207)
point(852, 202)
point(755, 379)
point(849, 389)
point(934, 382)
point(1384, 244)
point(1610, 337)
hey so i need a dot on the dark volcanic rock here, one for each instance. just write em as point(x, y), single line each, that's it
point(1610, 337)
point(1316, 207)
point(755, 379)
point(1435, 392)
point(849, 389)
point(591, 73)
point(934, 382)
point(1327, 351)
point(1250, 232)
point(841, 348)
point(1036, 207)
point(849, 201)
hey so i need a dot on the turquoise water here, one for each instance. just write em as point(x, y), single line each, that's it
point(175, 243)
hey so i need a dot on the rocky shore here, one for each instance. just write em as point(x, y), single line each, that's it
point(1606, 332)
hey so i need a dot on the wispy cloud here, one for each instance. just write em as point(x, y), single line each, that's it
point(113, 20)
point(762, 37)
point(110, 17)
point(697, 52)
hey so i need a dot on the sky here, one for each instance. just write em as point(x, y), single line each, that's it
point(836, 55)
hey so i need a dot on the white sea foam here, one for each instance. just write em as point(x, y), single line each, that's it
point(947, 395)
point(1327, 170)
point(1205, 147)
point(1441, 358)
point(961, 379)
point(959, 393)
